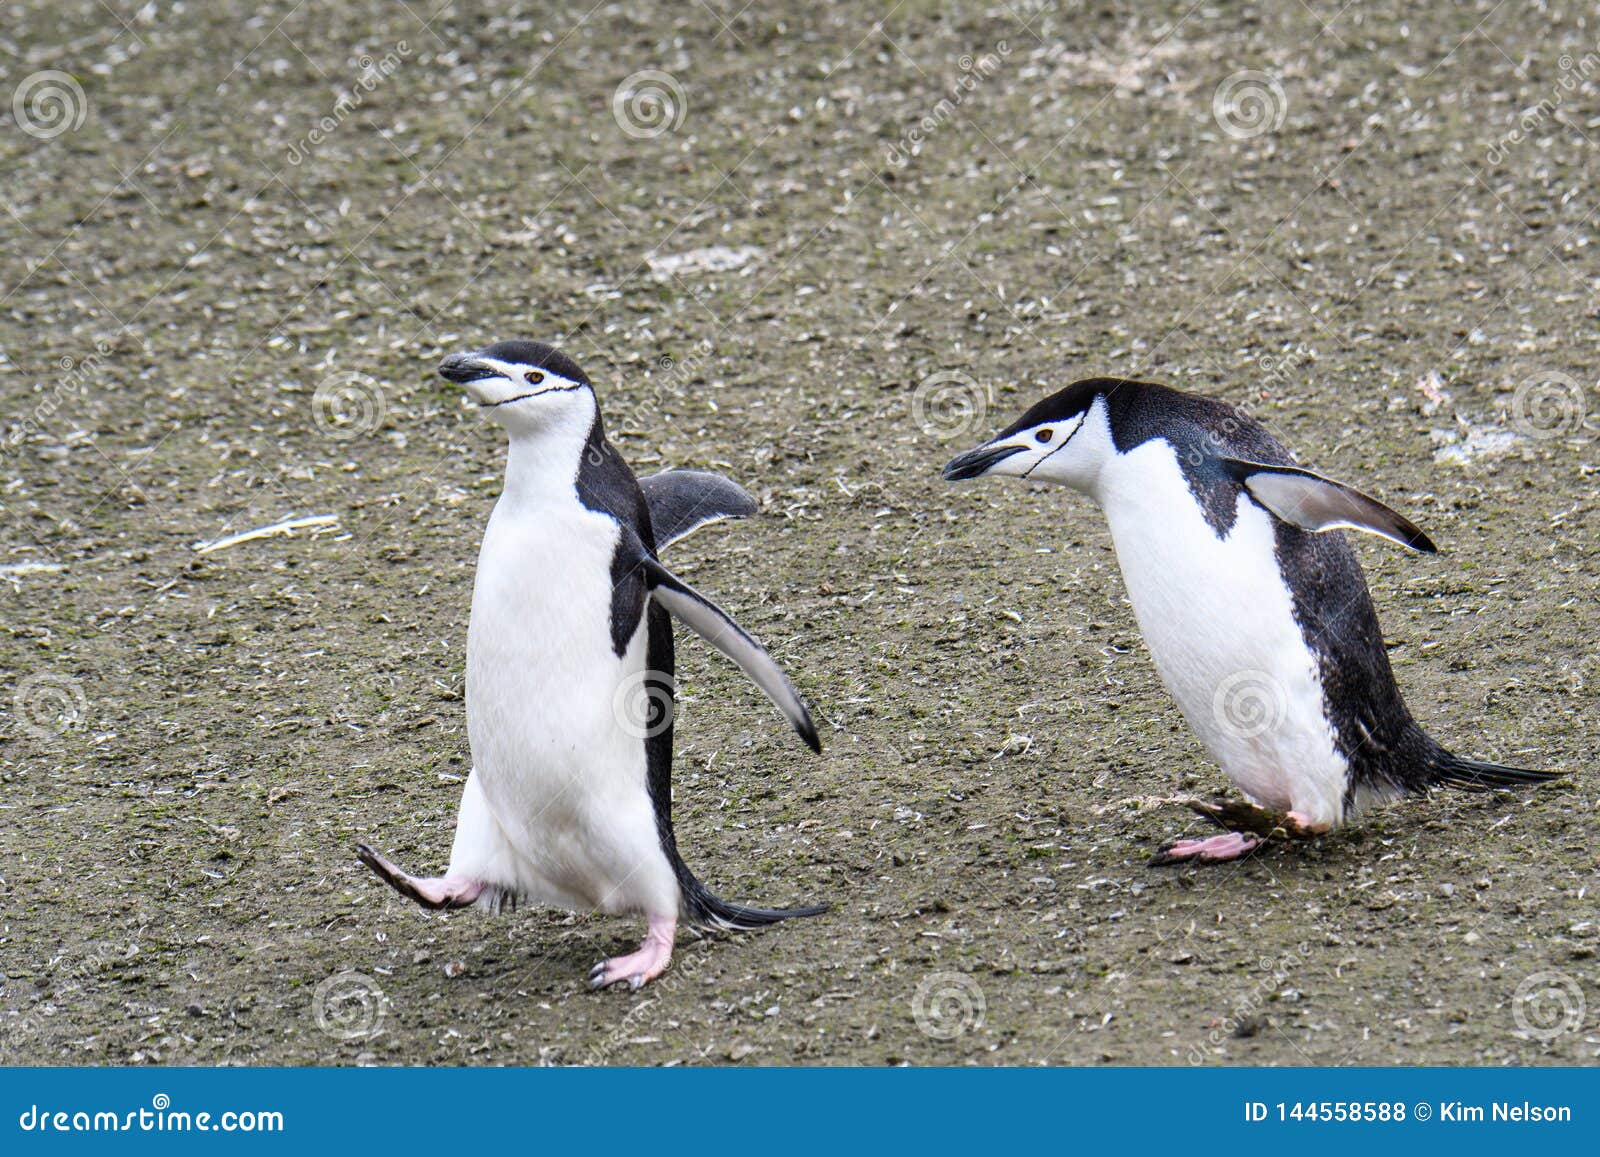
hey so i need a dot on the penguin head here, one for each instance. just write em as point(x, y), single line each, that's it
point(1065, 439)
point(523, 384)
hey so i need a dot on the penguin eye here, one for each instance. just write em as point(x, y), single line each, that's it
point(533, 377)
point(1045, 435)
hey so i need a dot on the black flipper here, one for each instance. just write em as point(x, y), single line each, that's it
point(682, 501)
point(1315, 503)
point(714, 625)
point(700, 905)
point(1477, 775)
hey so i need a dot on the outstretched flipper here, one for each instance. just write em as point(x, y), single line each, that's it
point(682, 501)
point(713, 624)
point(1315, 503)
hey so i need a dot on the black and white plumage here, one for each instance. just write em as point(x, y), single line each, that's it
point(1252, 603)
point(570, 670)
point(682, 501)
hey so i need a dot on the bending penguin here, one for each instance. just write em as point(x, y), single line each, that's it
point(1252, 603)
point(570, 686)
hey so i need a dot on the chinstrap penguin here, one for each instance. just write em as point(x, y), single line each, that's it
point(570, 690)
point(1251, 601)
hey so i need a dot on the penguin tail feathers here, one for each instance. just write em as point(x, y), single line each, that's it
point(1477, 775)
point(704, 908)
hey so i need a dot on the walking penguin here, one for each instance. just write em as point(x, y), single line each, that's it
point(1250, 599)
point(570, 690)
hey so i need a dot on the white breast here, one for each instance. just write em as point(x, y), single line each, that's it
point(558, 797)
point(1219, 622)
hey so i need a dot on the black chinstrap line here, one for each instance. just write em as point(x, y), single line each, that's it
point(533, 394)
point(1083, 418)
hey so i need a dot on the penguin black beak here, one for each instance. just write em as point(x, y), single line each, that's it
point(466, 368)
point(975, 462)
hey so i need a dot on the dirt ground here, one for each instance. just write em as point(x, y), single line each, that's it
point(821, 254)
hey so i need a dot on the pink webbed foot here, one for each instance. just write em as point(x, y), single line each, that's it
point(639, 968)
point(1212, 850)
point(434, 892)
